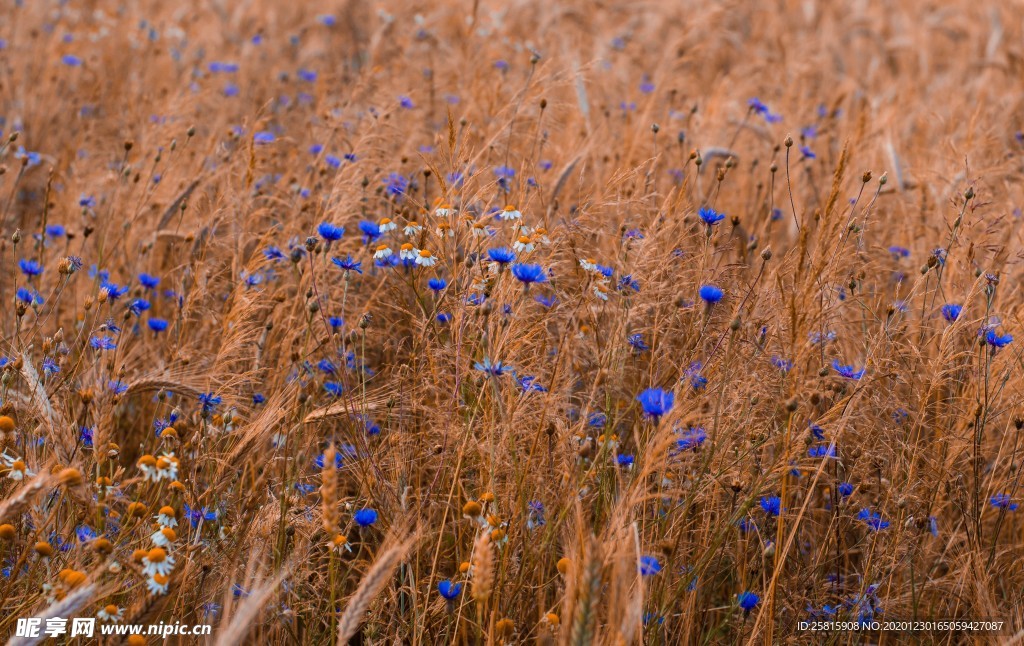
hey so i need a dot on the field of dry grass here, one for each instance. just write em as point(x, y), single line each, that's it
point(468, 321)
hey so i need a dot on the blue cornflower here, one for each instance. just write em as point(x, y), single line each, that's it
point(772, 505)
point(306, 75)
point(710, 294)
point(335, 322)
point(50, 367)
point(649, 565)
point(656, 402)
point(102, 343)
point(495, 369)
point(996, 340)
point(56, 230)
point(348, 264)
point(114, 291)
point(118, 387)
point(845, 489)
point(330, 232)
point(86, 201)
point(692, 439)
point(148, 281)
point(449, 589)
point(263, 137)
point(30, 267)
point(365, 517)
point(546, 301)
point(807, 152)
point(138, 306)
point(784, 365)
point(396, 184)
point(628, 282)
point(529, 383)
point(84, 533)
point(327, 367)
point(371, 231)
point(327, 20)
point(320, 460)
point(748, 601)
point(951, 311)
point(444, 318)
point(501, 255)
point(636, 341)
point(202, 514)
point(273, 253)
point(258, 398)
point(437, 284)
point(872, 519)
point(899, 252)
point(528, 274)
point(333, 388)
point(71, 60)
point(86, 434)
point(157, 325)
point(710, 216)
point(758, 107)
point(27, 296)
point(625, 460)
point(1002, 501)
point(817, 431)
point(847, 371)
point(406, 102)
point(209, 402)
point(822, 451)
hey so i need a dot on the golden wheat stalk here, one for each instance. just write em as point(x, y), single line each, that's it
point(371, 585)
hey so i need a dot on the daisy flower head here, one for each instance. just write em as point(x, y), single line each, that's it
point(167, 467)
point(442, 209)
point(408, 252)
point(110, 613)
point(147, 465)
point(386, 224)
point(163, 537)
point(510, 212)
point(340, 542)
point(16, 468)
point(165, 517)
point(444, 230)
point(425, 258)
point(157, 561)
point(524, 244)
point(480, 230)
point(412, 228)
point(158, 584)
point(382, 252)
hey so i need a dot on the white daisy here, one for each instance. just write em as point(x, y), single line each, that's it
point(408, 252)
point(510, 212)
point(383, 251)
point(426, 259)
point(111, 613)
point(157, 561)
point(523, 244)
